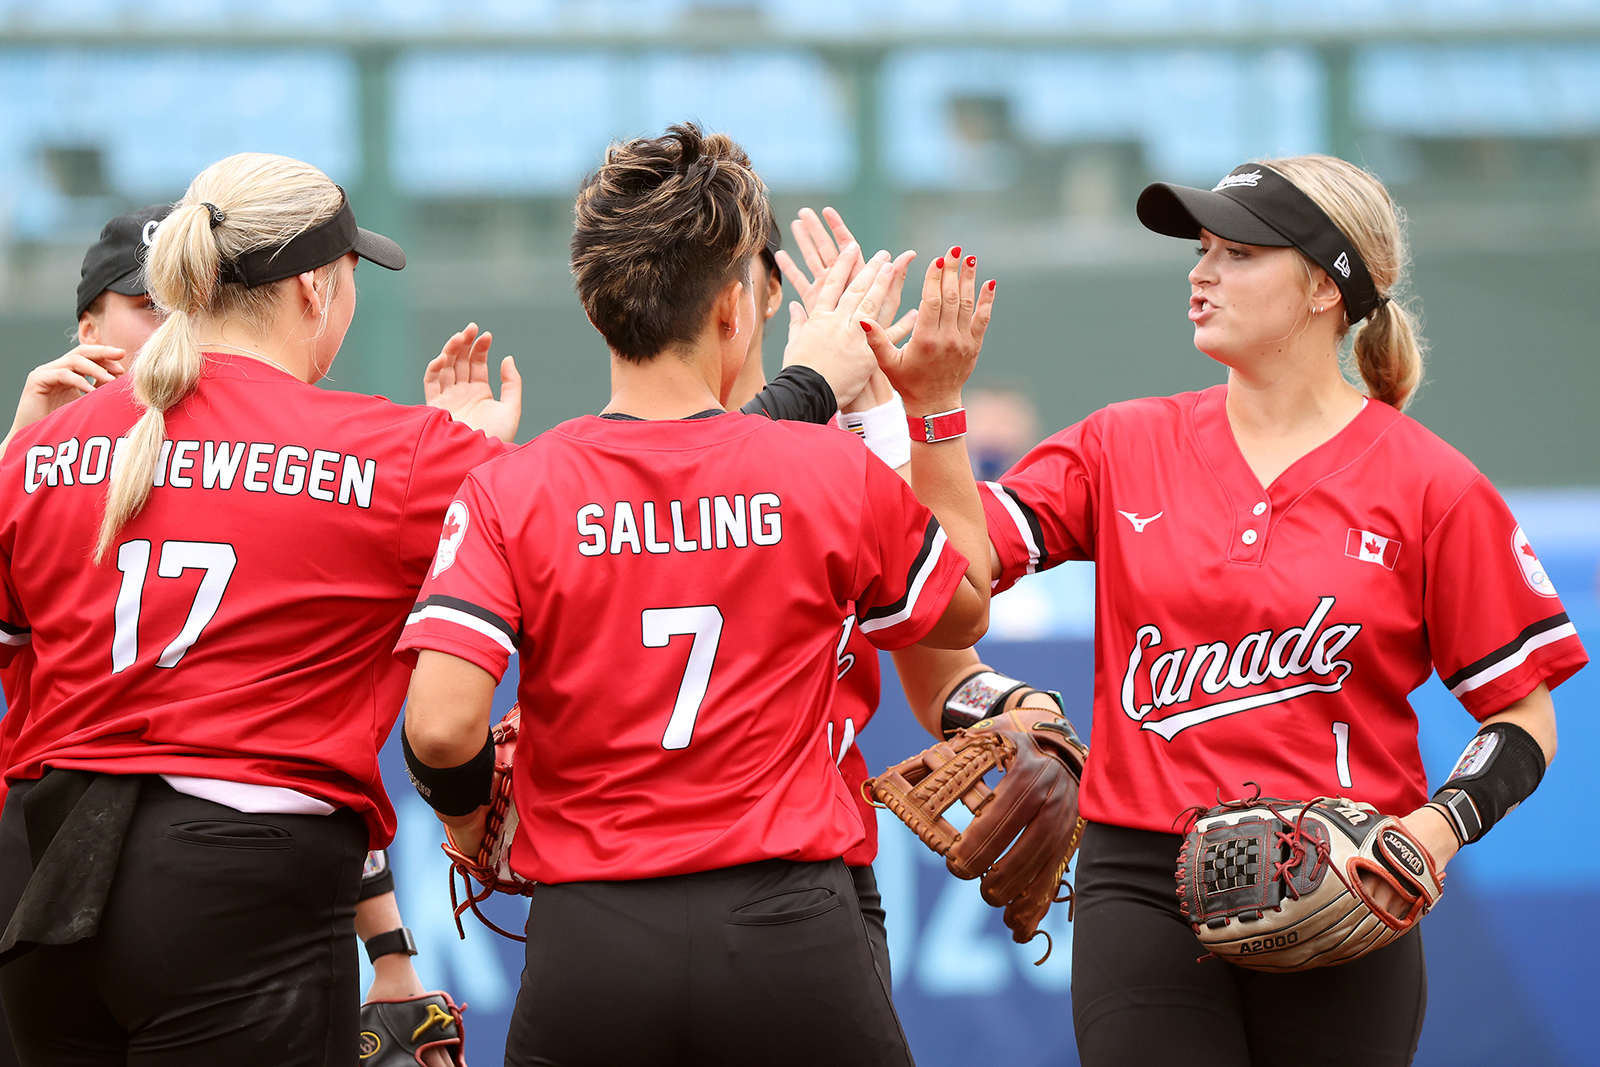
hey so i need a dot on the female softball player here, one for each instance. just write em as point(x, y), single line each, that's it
point(677, 587)
point(211, 678)
point(1280, 561)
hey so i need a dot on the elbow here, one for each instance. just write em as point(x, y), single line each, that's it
point(432, 741)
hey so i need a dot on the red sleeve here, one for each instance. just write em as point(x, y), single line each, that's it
point(15, 634)
point(468, 606)
point(1042, 511)
point(1496, 627)
point(446, 451)
point(907, 570)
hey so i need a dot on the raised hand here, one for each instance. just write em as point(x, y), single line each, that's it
point(63, 380)
point(819, 246)
point(930, 370)
point(828, 338)
point(457, 381)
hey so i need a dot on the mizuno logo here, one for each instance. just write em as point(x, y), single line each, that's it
point(1249, 178)
point(1138, 523)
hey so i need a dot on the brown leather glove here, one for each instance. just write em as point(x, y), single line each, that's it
point(1023, 832)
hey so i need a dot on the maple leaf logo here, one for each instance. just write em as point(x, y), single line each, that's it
point(1372, 546)
point(1527, 550)
point(451, 528)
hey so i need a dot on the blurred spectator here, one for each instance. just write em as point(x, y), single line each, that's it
point(1001, 426)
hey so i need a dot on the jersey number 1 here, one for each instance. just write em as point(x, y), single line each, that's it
point(661, 625)
point(133, 560)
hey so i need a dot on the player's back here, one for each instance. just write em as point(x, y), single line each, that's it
point(246, 611)
point(676, 591)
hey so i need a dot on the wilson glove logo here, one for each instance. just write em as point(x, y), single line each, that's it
point(1305, 657)
point(1400, 850)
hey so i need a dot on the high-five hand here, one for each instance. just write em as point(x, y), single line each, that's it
point(457, 380)
point(930, 370)
point(820, 249)
point(828, 338)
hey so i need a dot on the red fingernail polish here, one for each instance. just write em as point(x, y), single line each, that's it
point(955, 251)
point(991, 285)
point(939, 263)
point(865, 325)
point(972, 261)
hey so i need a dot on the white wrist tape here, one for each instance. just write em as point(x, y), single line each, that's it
point(884, 430)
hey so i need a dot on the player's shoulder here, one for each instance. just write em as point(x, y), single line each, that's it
point(1423, 467)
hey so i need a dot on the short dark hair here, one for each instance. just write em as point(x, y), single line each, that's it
point(661, 227)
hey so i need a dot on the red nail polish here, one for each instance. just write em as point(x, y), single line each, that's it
point(972, 261)
point(939, 263)
point(865, 325)
point(955, 251)
point(991, 285)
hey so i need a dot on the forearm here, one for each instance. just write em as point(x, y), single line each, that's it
point(941, 476)
point(928, 675)
point(377, 915)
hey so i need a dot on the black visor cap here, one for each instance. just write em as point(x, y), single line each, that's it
point(1179, 211)
point(316, 247)
point(115, 261)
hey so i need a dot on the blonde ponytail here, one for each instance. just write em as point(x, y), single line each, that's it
point(263, 201)
point(1388, 349)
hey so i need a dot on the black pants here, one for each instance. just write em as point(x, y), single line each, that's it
point(873, 914)
point(227, 939)
point(766, 963)
point(1139, 997)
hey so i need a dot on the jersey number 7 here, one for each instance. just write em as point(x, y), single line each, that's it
point(133, 560)
point(705, 623)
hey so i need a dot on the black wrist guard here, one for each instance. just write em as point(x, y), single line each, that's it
point(1499, 770)
point(377, 878)
point(385, 944)
point(452, 790)
point(978, 696)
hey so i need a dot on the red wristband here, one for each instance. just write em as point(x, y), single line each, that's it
point(943, 426)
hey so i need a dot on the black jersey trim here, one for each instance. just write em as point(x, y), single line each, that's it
point(884, 610)
point(466, 607)
point(1506, 651)
point(14, 636)
point(1043, 558)
point(617, 416)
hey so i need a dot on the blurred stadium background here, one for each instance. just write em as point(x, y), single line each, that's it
point(1020, 129)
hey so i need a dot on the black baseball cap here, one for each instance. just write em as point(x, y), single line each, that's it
point(116, 260)
point(1255, 205)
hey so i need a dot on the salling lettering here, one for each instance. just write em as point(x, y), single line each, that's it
point(287, 470)
point(679, 526)
point(1258, 658)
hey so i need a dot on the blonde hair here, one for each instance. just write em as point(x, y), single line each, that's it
point(1387, 349)
point(266, 200)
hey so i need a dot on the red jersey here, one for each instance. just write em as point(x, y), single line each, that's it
point(855, 701)
point(678, 591)
point(1274, 635)
point(240, 626)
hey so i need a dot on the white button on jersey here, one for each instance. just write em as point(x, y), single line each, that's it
point(1259, 508)
point(1249, 537)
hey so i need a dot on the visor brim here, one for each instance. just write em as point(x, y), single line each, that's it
point(376, 248)
point(1180, 211)
point(130, 284)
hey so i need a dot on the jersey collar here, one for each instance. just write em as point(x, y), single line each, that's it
point(1256, 511)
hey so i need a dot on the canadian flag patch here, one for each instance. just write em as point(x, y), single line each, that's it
point(1370, 548)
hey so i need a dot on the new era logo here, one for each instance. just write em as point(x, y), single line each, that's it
point(1368, 547)
point(1342, 264)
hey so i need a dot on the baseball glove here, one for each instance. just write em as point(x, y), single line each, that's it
point(1033, 810)
point(394, 1032)
point(1275, 885)
point(491, 867)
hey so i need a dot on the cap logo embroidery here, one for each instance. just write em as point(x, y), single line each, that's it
point(1342, 264)
point(149, 234)
point(1251, 179)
